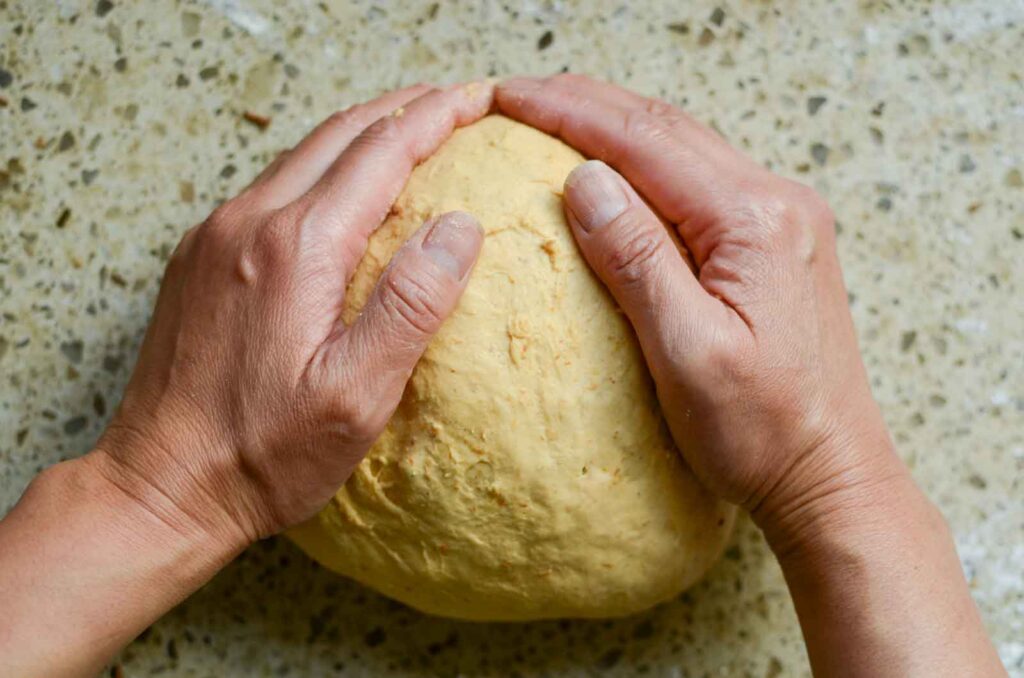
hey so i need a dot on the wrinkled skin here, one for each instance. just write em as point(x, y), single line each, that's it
point(747, 334)
point(252, 401)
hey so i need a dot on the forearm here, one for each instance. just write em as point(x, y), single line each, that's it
point(85, 566)
point(879, 589)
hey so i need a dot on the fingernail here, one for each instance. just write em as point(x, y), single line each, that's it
point(594, 194)
point(453, 242)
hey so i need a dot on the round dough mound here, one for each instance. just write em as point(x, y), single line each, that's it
point(527, 472)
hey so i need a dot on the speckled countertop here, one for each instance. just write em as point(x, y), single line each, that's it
point(121, 123)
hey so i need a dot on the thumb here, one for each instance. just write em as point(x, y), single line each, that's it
point(635, 256)
point(417, 291)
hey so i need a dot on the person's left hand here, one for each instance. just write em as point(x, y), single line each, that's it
point(252, 402)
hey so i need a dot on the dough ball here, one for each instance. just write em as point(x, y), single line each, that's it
point(527, 472)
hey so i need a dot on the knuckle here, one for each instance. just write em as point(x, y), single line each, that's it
point(660, 109)
point(798, 216)
point(273, 242)
point(724, 363)
point(216, 231)
point(342, 120)
point(220, 218)
point(411, 299)
point(815, 207)
point(386, 131)
point(637, 251)
point(761, 218)
point(640, 125)
point(181, 252)
point(359, 416)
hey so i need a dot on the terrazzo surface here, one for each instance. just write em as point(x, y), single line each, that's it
point(122, 123)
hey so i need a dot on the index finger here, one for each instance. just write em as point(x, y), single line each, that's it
point(679, 165)
point(354, 195)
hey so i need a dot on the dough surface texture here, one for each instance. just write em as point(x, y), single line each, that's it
point(527, 472)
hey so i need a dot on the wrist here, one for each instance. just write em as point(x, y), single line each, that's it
point(834, 492)
point(139, 506)
point(177, 474)
point(77, 546)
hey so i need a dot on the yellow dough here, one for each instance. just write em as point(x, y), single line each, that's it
point(528, 472)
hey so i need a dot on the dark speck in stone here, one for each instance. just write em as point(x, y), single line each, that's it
point(1017, 233)
point(609, 658)
point(209, 73)
point(977, 481)
point(819, 152)
point(967, 164)
point(884, 203)
point(27, 104)
point(228, 171)
point(182, 80)
point(112, 363)
point(89, 175)
point(75, 425)
point(21, 436)
point(5, 78)
point(775, 668)
point(814, 104)
point(172, 649)
point(291, 70)
point(907, 340)
point(99, 404)
point(63, 217)
point(318, 623)
point(545, 40)
point(375, 637)
point(67, 140)
point(718, 16)
point(121, 65)
point(878, 109)
point(680, 27)
point(644, 629)
point(706, 37)
point(103, 8)
point(72, 350)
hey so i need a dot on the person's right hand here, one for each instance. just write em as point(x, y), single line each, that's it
point(748, 336)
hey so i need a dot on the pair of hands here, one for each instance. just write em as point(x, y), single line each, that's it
point(252, 402)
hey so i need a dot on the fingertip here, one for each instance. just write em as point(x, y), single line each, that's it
point(595, 194)
point(453, 241)
point(464, 220)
